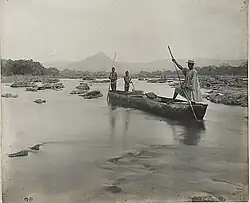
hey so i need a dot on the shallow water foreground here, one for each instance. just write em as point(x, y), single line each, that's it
point(94, 153)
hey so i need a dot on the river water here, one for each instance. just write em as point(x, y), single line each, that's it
point(79, 136)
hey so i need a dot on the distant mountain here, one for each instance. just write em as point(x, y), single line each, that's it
point(97, 62)
point(101, 62)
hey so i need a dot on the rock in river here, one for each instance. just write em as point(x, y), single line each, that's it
point(9, 95)
point(83, 86)
point(57, 86)
point(21, 153)
point(77, 91)
point(22, 84)
point(45, 86)
point(92, 94)
point(40, 101)
point(32, 89)
point(36, 147)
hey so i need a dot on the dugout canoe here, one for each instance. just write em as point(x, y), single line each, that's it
point(161, 106)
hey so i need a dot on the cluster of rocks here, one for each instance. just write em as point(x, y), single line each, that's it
point(217, 81)
point(228, 98)
point(225, 90)
point(30, 85)
point(54, 86)
point(83, 86)
point(83, 91)
point(22, 84)
point(32, 82)
point(9, 95)
point(20, 153)
point(26, 152)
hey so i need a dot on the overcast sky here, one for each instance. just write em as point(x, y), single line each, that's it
point(138, 30)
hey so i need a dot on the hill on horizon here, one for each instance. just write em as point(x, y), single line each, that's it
point(101, 62)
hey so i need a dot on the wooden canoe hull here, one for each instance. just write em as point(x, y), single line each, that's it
point(176, 110)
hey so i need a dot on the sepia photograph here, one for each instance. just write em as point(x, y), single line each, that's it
point(124, 101)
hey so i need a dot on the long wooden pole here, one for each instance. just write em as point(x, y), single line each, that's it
point(180, 84)
point(174, 66)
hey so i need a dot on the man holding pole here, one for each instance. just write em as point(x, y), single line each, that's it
point(113, 79)
point(127, 81)
point(190, 88)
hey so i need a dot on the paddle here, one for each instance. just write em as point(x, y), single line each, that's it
point(110, 81)
point(180, 84)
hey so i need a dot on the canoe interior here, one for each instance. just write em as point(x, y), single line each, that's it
point(177, 109)
point(162, 99)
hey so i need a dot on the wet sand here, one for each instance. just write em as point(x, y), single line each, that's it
point(88, 145)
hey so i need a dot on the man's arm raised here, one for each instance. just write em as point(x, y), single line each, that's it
point(177, 64)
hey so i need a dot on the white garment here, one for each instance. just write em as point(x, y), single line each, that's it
point(191, 86)
point(194, 81)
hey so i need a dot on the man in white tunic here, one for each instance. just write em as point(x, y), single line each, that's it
point(190, 88)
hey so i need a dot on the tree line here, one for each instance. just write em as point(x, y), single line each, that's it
point(29, 67)
point(241, 70)
point(26, 67)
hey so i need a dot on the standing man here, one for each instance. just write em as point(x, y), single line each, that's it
point(113, 79)
point(190, 88)
point(127, 81)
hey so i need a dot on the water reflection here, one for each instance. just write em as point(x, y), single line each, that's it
point(125, 134)
point(186, 132)
point(113, 116)
point(125, 118)
point(190, 133)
